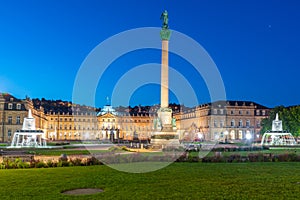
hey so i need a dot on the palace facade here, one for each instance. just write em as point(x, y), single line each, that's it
point(222, 120)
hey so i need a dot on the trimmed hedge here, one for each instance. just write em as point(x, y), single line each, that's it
point(18, 163)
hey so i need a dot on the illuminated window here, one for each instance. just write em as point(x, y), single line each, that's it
point(215, 123)
point(241, 123)
point(9, 133)
point(232, 122)
point(257, 112)
point(18, 120)
point(10, 106)
point(9, 120)
point(248, 123)
point(258, 124)
point(222, 123)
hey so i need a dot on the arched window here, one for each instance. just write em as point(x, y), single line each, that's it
point(232, 122)
point(222, 123)
point(241, 123)
point(248, 123)
point(215, 123)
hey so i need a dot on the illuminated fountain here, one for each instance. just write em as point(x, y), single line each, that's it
point(28, 136)
point(277, 137)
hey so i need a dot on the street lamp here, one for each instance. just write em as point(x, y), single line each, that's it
point(248, 137)
point(226, 135)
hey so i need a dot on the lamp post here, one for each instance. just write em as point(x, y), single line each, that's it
point(226, 135)
point(248, 137)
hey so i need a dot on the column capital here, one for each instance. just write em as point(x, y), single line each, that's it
point(165, 34)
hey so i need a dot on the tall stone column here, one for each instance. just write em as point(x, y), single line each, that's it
point(164, 90)
point(165, 133)
point(165, 113)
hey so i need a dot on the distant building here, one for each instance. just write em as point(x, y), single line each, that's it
point(222, 120)
point(80, 125)
point(230, 120)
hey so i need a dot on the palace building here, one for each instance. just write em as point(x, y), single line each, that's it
point(222, 120)
point(60, 120)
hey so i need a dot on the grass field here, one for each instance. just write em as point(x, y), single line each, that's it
point(245, 153)
point(177, 181)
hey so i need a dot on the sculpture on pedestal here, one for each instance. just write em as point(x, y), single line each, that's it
point(164, 125)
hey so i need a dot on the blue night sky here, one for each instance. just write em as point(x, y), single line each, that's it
point(254, 44)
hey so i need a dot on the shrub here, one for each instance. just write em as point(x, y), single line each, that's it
point(293, 157)
point(234, 158)
point(76, 162)
point(92, 161)
point(23, 165)
point(62, 163)
point(256, 157)
point(63, 157)
point(193, 159)
point(183, 157)
point(218, 159)
point(50, 163)
point(40, 164)
point(268, 157)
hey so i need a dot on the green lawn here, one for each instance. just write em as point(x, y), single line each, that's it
point(177, 181)
point(245, 153)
